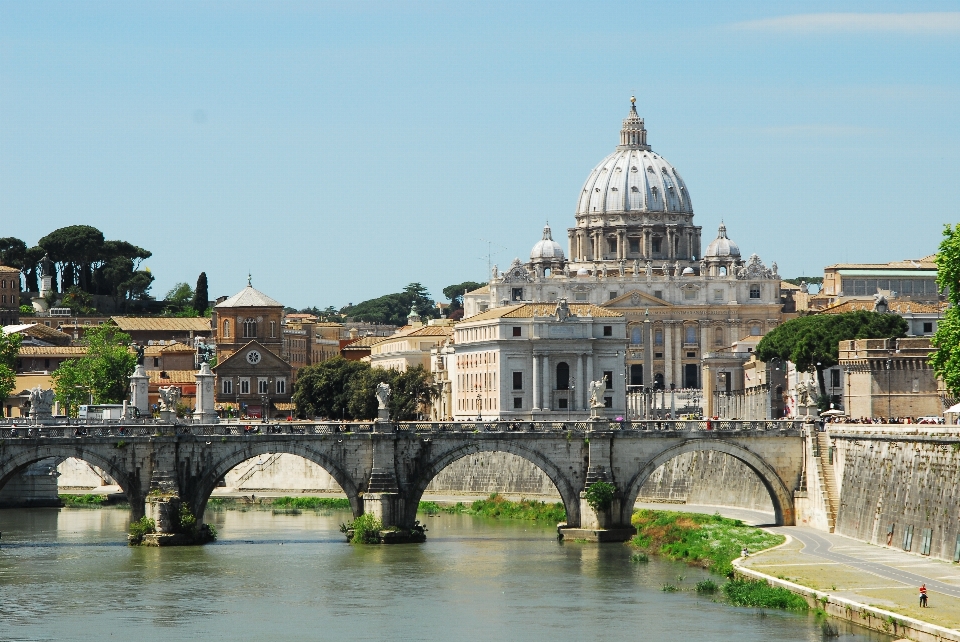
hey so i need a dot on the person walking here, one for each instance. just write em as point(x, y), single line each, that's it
point(923, 595)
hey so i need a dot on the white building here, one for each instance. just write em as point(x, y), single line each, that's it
point(534, 361)
point(635, 250)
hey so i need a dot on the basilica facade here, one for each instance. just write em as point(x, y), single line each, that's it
point(634, 249)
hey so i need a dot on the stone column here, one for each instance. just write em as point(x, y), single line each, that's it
point(621, 250)
point(571, 244)
point(535, 386)
point(678, 353)
point(205, 412)
point(581, 384)
point(647, 354)
point(139, 390)
point(382, 498)
point(704, 338)
point(646, 243)
point(708, 384)
point(668, 364)
point(547, 401)
point(589, 377)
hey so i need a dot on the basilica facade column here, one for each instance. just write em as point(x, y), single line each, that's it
point(546, 404)
point(535, 386)
point(621, 249)
point(668, 353)
point(580, 383)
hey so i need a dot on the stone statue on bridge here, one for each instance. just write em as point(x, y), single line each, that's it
point(383, 399)
point(169, 398)
point(595, 391)
point(41, 403)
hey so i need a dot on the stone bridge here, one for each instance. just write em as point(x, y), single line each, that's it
point(385, 467)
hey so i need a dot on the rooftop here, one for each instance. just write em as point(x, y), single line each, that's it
point(249, 297)
point(531, 310)
point(164, 324)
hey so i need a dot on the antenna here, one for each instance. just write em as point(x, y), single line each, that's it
point(491, 254)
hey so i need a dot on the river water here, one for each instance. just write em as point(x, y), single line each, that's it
point(67, 575)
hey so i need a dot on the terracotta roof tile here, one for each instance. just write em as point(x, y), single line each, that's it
point(163, 324)
point(530, 310)
point(53, 351)
point(363, 343)
point(899, 306)
point(173, 377)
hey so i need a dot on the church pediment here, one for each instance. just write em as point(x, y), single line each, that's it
point(635, 299)
point(250, 357)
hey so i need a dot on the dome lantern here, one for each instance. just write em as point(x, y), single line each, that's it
point(633, 135)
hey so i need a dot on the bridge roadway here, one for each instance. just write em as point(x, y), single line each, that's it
point(384, 467)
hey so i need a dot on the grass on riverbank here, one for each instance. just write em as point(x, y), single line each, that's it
point(312, 503)
point(83, 501)
point(709, 541)
point(759, 594)
point(497, 507)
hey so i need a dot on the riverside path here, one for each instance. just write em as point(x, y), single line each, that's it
point(384, 467)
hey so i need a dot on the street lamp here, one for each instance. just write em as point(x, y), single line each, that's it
point(889, 363)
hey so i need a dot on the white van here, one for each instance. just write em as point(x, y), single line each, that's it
point(101, 412)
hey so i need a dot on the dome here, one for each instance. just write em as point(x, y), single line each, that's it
point(546, 249)
point(687, 271)
point(634, 178)
point(722, 246)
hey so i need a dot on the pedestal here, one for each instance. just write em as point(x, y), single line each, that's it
point(205, 412)
point(139, 391)
point(383, 414)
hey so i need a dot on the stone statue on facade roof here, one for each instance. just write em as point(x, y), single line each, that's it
point(495, 273)
point(636, 267)
point(562, 311)
point(649, 269)
point(666, 271)
point(804, 287)
point(623, 267)
point(676, 269)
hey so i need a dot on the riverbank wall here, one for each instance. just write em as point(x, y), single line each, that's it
point(899, 487)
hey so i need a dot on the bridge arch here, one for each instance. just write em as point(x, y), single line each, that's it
point(203, 487)
point(127, 480)
point(780, 495)
point(569, 491)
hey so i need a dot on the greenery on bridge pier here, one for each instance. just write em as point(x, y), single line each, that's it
point(498, 507)
point(709, 541)
point(140, 529)
point(311, 503)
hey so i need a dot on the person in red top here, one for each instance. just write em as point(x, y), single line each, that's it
point(923, 595)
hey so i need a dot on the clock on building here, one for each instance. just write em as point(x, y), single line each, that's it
point(253, 357)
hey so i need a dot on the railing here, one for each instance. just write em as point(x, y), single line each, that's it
point(253, 430)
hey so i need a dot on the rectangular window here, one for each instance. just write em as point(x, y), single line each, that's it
point(608, 378)
point(244, 385)
point(608, 330)
point(613, 295)
point(927, 327)
point(562, 404)
point(612, 245)
point(281, 386)
point(273, 329)
point(608, 402)
point(262, 385)
point(516, 331)
point(658, 338)
point(517, 294)
point(656, 245)
point(635, 246)
point(690, 295)
point(227, 386)
point(156, 362)
point(927, 535)
point(908, 537)
point(754, 291)
point(518, 381)
point(834, 378)
point(517, 403)
point(658, 294)
point(580, 296)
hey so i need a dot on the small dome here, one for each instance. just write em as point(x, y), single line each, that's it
point(583, 272)
point(721, 246)
point(546, 249)
point(687, 272)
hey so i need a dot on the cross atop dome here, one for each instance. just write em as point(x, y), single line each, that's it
point(633, 135)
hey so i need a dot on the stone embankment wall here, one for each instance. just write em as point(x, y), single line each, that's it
point(897, 481)
point(706, 477)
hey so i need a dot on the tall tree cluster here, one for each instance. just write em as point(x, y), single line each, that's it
point(392, 309)
point(342, 389)
point(813, 341)
point(102, 375)
point(946, 359)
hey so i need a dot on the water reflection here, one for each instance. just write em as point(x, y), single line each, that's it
point(66, 575)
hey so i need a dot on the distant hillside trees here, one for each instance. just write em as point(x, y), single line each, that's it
point(392, 309)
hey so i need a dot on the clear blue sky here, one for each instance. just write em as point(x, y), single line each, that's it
point(341, 150)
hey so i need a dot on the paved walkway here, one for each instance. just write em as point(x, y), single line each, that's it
point(882, 577)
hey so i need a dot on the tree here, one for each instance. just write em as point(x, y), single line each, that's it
point(75, 248)
point(455, 293)
point(410, 392)
point(201, 298)
point(324, 390)
point(946, 359)
point(31, 269)
point(9, 351)
point(393, 308)
point(815, 280)
point(813, 341)
point(101, 376)
point(178, 297)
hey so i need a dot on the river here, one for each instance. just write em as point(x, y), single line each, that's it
point(67, 575)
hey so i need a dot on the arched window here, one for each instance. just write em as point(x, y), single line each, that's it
point(249, 329)
point(718, 337)
point(723, 271)
point(226, 328)
point(690, 337)
point(563, 376)
point(636, 335)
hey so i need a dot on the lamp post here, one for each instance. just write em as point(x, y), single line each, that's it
point(889, 363)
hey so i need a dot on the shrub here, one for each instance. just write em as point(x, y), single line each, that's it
point(759, 594)
point(706, 586)
point(638, 558)
point(141, 528)
point(430, 508)
point(366, 529)
point(669, 588)
point(83, 500)
point(188, 523)
point(600, 495)
point(312, 503)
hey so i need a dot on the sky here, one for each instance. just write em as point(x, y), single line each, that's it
point(338, 151)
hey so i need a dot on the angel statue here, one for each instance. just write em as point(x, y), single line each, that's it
point(595, 391)
point(383, 395)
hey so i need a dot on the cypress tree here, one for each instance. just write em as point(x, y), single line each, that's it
point(200, 299)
